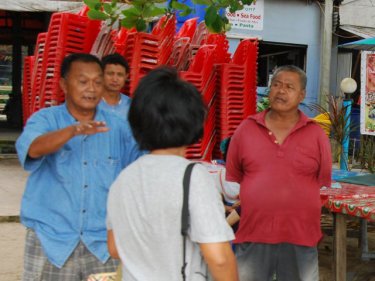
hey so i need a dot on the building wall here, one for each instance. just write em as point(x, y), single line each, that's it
point(363, 15)
point(293, 22)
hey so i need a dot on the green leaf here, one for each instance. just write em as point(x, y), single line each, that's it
point(141, 25)
point(107, 8)
point(183, 8)
point(129, 22)
point(202, 2)
point(214, 22)
point(179, 6)
point(186, 12)
point(97, 15)
point(248, 2)
point(153, 11)
point(211, 14)
point(114, 3)
point(92, 3)
point(235, 6)
point(132, 12)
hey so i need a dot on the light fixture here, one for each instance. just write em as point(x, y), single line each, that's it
point(348, 86)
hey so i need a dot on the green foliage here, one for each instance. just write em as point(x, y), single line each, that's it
point(340, 131)
point(366, 155)
point(138, 13)
point(263, 104)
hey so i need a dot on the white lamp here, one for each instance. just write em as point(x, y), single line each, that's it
point(348, 86)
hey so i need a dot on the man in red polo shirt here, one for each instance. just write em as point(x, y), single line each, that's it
point(281, 159)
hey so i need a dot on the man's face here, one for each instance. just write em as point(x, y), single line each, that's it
point(286, 92)
point(114, 77)
point(83, 86)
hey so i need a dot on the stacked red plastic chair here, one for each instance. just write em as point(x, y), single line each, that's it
point(28, 66)
point(237, 82)
point(202, 75)
point(222, 46)
point(120, 40)
point(188, 29)
point(67, 33)
point(181, 47)
point(36, 76)
point(146, 51)
point(105, 41)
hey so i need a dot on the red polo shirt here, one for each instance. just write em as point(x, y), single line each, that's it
point(280, 184)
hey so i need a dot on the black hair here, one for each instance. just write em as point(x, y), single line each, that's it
point(81, 57)
point(115, 59)
point(166, 111)
point(294, 69)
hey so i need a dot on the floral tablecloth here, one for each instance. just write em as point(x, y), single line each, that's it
point(351, 199)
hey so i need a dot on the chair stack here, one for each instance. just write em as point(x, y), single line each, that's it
point(146, 51)
point(67, 33)
point(222, 46)
point(28, 66)
point(202, 75)
point(36, 76)
point(180, 56)
point(104, 43)
point(188, 29)
point(236, 88)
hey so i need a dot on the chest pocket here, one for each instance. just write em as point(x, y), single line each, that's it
point(107, 170)
point(306, 160)
point(63, 165)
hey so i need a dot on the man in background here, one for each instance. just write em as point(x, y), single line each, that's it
point(116, 71)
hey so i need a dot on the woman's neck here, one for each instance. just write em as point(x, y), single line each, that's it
point(178, 151)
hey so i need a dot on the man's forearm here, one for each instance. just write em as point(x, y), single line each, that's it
point(51, 142)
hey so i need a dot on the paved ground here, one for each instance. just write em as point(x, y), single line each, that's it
point(12, 234)
point(13, 179)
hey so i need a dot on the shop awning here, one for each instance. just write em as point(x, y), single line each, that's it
point(40, 5)
point(367, 44)
point(364, 32)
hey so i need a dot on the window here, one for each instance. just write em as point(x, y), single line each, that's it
point(272, 55)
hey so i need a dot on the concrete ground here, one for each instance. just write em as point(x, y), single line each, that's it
point(12, 234)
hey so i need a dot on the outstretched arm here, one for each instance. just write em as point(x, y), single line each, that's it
point(53, 141)
point(220, 260)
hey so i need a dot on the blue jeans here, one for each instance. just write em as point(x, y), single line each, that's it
point(260, 262)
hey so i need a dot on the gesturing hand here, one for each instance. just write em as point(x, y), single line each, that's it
point(90, 128)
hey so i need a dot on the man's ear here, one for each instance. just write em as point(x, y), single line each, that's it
point(62, 83)
point(303, 95)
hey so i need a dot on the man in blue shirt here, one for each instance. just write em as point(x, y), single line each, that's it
point(116, 71)
point(73, 152)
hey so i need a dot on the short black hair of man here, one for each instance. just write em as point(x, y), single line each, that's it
point(294, 69)
point(166, 111)
point(115, 59)
point(81, 57)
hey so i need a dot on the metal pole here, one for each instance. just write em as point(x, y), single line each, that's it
point(344, 158)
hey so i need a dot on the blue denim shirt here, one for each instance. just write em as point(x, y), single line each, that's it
point(122, 108)
point(66, 192)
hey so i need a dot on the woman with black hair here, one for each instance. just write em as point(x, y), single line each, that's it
point(145, 202)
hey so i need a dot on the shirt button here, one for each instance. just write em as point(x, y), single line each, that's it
point(85, 163)
point(270, 133)
point(276, 142)
point(86, 186)
point(83, 211)
point(81, 232)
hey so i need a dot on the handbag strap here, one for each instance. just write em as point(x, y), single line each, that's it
point(185, 215)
